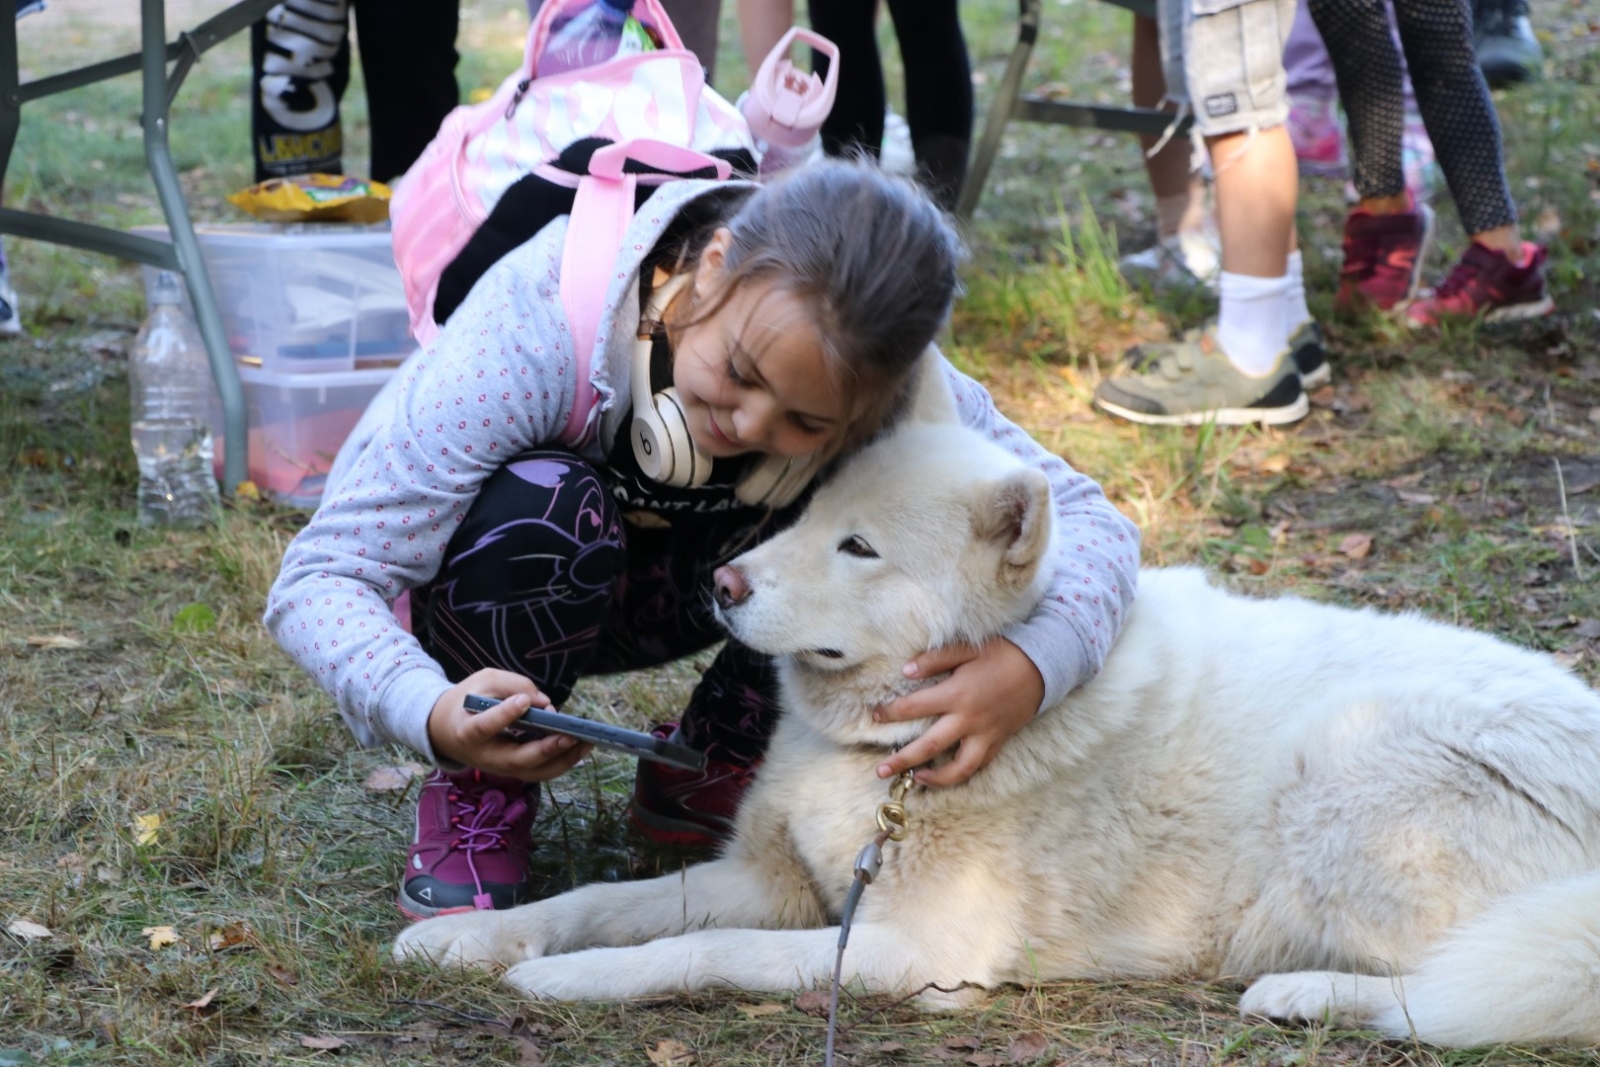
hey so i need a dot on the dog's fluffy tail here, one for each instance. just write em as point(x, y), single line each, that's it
point(1525, 971)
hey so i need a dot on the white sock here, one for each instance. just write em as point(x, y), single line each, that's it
point(1252, 325)
point(1297, 314)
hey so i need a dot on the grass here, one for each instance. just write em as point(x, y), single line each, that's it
point(1424, 479)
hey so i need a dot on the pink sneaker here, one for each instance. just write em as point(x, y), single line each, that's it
point(1383, 259)
point(1486, 283)
point(1318, 138)
point(687, 809)
point(472, 845)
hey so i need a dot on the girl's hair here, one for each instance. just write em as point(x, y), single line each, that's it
point(872, 256)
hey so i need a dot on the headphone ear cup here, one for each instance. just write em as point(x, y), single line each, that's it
point(689, 466)
point(776, 481)
point(652, 443)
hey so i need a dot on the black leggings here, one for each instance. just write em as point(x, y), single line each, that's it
point(1451, 94)
point(938, 73)
point(544, 578)
point(301, 65)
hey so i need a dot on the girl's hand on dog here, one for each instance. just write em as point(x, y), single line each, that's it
point(992, 692)
point(474, 739)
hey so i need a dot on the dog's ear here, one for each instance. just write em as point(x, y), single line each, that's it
point(1014, 513)
point(930, 400)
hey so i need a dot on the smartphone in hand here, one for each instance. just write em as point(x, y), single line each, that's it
point(541, 722)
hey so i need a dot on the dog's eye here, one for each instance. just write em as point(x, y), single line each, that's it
point(856, 546)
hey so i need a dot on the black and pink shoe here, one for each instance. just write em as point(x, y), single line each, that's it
point(472, 845)
point(687, 809)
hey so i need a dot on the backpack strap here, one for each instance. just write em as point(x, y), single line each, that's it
point(601, 212)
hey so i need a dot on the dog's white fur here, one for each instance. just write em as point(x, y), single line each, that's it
point(1385, 821)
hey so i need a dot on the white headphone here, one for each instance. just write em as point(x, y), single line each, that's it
point(660, 431)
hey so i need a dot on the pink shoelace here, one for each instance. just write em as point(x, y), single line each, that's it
point(482, 827)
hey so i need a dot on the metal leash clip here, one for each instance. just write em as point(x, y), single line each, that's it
point(892, 818)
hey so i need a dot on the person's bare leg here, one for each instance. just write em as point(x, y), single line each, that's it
point(1168, 169)
point(1257, 182)
point(762, 23)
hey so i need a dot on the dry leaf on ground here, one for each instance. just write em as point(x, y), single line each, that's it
point(813, 1002)
point(228, 936)
point(755, 1011)
point(28, 930)
point(323, 1041)
point(1025, 1048)
point(1356, 545)
point(145, 829)
point(392, 779)
point(54, 641)
point(161, 936)
point(670, 1053)
point(204, 1002)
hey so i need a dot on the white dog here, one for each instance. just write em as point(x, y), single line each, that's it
point(1386, 822)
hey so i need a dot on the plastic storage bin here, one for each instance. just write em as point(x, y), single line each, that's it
point(305, 297)
point(297, 424)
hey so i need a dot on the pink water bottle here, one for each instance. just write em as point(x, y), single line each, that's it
point(591, 36)
point(785, 107)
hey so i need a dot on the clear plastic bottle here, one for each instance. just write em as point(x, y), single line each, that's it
point(594, 35)
point(170, 376)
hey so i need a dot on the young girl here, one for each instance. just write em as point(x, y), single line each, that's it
point(805, 307)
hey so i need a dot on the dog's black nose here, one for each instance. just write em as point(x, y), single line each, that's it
point(731, 587)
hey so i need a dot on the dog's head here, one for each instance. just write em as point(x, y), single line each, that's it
point(931, 536)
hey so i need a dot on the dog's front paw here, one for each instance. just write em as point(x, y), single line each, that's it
point(1304, 996)
point(477, 938)
point(561, 978)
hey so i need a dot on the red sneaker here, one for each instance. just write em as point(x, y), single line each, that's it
point(1487, 283)
point(687, 809)
point(1383, 258)
point(472, 845)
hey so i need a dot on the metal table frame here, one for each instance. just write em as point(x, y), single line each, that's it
point(1012, 104)
point(183, 253)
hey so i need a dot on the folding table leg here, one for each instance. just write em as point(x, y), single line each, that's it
point(1000, 111)
point(158, 157)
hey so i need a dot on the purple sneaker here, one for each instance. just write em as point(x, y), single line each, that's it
point(472, 843)
point(687, 809)
point(1383, 259)
point(1486, 283)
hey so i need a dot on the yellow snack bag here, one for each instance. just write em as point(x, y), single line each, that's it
point(315, 198)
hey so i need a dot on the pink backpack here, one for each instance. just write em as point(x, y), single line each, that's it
point(654, 107)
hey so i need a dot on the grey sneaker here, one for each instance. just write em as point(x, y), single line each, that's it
point(1190, 382)
point(1306, 348)
point(1310, 356)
